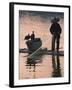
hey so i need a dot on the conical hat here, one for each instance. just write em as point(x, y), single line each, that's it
point(55, 20)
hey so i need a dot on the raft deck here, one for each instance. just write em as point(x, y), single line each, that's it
point(43, 51)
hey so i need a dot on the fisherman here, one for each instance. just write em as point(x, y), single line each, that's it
point(32, 35)
point(55, 30)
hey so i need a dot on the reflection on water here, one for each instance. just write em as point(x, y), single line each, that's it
point(33, 63)
point(56, 66)
point(41, 66)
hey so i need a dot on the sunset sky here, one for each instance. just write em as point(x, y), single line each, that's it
point(40, 23)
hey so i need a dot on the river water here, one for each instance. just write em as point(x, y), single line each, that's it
point(45, 66)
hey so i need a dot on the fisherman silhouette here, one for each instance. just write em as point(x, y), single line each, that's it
point(32, 35)
point(55, 30)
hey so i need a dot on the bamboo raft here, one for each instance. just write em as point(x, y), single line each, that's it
point(41, 51)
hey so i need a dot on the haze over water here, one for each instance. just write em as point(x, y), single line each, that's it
point(46, 66)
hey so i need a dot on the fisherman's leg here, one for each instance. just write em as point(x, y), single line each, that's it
point(58, 43)
point(53, 43)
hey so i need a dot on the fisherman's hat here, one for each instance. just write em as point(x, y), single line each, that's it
point(56, 19)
